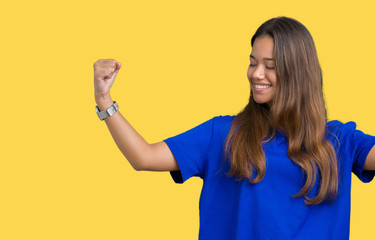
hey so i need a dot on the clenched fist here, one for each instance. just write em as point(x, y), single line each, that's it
point(105, 72)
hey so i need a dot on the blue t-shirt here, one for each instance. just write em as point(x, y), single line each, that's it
point(237, 210)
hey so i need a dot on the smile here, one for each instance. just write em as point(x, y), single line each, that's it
point(262, 86)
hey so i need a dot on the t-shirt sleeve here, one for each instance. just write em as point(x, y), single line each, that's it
point(357, 146)
point(190, 151)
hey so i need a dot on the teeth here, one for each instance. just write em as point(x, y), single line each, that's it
point(262, 86)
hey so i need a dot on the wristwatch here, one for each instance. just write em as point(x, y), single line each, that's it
point(108, 112)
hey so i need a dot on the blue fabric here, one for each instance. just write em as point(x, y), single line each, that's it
point(237, 210)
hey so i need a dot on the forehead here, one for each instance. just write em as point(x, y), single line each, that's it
point(263, 47)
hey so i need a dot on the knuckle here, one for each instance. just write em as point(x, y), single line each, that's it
point(108, 72)
point(104, 66)
point(101, 72)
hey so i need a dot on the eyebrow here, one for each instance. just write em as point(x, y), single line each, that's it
point(270, 59)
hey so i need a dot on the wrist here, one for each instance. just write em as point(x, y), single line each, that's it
point(105, 113)
point(102, 96)
point(103, 102)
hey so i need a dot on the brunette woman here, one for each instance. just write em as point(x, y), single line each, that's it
point(276, 170)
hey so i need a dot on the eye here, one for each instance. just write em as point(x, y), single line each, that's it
point(270, 67)
point(252, 65)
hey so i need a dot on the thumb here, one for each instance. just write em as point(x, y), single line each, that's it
point(118, 66)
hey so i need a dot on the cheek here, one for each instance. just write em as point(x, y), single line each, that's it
point(272, 78)
point(249, 73)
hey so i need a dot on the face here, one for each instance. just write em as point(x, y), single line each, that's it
point(261, 72)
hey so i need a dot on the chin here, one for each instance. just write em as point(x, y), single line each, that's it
point(261, 101)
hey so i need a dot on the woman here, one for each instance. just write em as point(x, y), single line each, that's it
point(277, 170)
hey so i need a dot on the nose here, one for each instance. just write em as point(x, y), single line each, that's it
point(258, 73)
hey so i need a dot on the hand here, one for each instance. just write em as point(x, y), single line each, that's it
point(105, 72)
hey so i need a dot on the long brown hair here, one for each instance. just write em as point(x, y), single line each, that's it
point(297, 110)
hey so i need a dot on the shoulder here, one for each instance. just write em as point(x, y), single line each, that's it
point(224, 119)
point(338, 124)
point(340, 129)
point(221, 126)
point(338, 132)
point(223, 122)
point(347, 134)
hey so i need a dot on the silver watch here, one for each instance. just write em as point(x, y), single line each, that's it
point(108, 112)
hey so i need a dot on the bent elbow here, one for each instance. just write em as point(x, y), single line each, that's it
point(137, 169)
point(139, 166)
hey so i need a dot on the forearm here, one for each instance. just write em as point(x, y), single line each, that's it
point(128, 140)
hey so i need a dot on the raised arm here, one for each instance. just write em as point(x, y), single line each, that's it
point(140, 154)
point(370, 160)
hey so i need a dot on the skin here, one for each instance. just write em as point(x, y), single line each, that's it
point(261, 70)
point(142, 155)
point(370, 160)
point(157, 156)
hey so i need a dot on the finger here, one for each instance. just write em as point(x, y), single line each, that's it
point(118, 66)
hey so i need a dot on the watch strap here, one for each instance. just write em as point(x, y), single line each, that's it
point(107, 112)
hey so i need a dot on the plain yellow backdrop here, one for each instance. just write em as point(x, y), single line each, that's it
point(61, 174)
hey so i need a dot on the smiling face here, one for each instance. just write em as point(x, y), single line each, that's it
point(261, 72)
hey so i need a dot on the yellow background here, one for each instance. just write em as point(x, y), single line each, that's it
point(61, 174)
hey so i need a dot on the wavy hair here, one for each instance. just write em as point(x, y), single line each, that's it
point(297, 110)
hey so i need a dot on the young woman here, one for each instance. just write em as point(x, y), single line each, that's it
point(278, 169)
